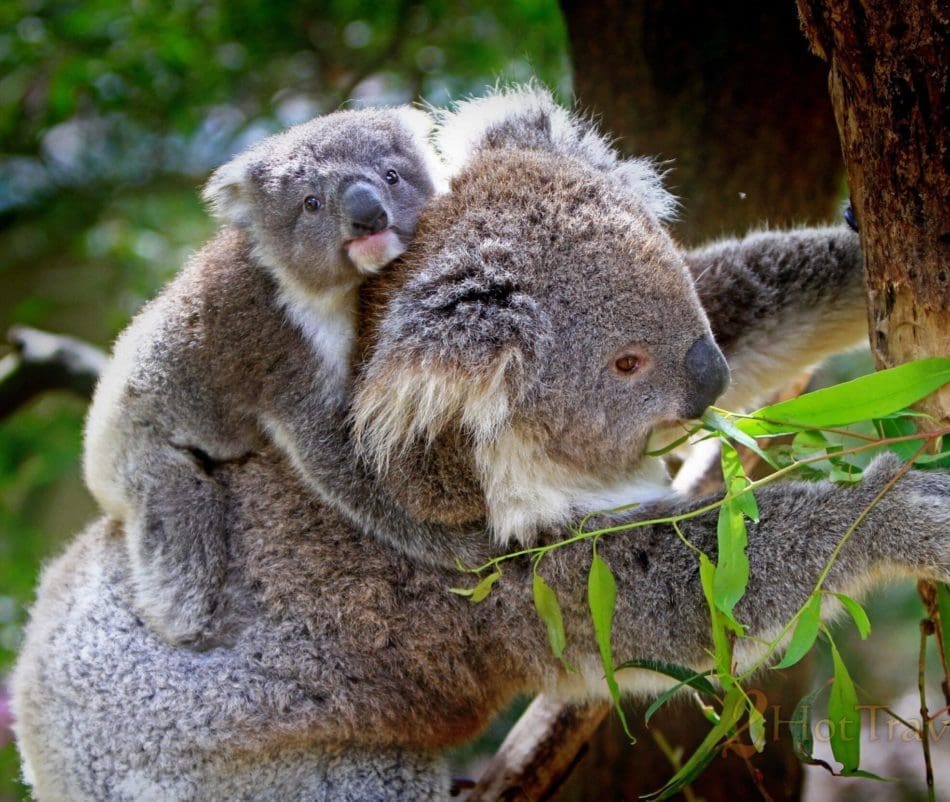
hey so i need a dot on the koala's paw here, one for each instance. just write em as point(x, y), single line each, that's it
point(179, 614)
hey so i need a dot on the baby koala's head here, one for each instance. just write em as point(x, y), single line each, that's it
point(329, 202)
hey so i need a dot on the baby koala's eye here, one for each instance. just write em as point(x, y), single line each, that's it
point(392, 177)
point(312, 203)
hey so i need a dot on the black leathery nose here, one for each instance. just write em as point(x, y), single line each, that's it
point(364, 209)
point(708, 374)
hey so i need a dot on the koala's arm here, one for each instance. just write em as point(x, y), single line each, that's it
point(662, 613)
point(315, 433)
point(779, 302)
point(149, 443)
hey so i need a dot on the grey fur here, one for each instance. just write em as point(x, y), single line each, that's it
point(351, 668)
point(253, 337)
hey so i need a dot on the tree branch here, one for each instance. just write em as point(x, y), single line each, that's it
point(540, 752)
point(41, 362)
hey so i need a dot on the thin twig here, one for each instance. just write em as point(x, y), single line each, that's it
point(926, 628)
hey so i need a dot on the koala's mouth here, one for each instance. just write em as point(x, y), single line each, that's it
point(368, 254)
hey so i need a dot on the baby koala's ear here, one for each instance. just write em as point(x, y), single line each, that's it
point(457, 344)
point(227, 192)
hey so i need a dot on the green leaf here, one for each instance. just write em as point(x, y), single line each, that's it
point(844, 716)
point(732, 565)
point(899, 427)
point(721, 642)
point(481, 590)
point(549, 610)
point(803, 739)
point(721, 424)
point(685, 675)
point(806, 630)
point(943, 605)
point(756, 728)
point(602, 600)
point(860, 617)
point(732, 708)
point(864, 398)
point(736, 481)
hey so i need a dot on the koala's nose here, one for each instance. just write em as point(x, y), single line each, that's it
point(708, 374)
point(364, 210)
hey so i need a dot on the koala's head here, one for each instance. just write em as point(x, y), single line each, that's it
point(544, 313)
point(328, 202)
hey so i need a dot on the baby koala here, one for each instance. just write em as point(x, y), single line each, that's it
point(250, 343)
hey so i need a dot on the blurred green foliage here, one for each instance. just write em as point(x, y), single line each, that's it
point(111, 115)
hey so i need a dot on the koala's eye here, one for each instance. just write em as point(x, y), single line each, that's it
point(312, 203)
point(392, 177)
point(627, 363)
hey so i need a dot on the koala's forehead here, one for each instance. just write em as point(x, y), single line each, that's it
point(556, 214)
point(336, 142)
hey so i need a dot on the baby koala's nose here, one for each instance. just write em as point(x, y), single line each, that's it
point(364, 210)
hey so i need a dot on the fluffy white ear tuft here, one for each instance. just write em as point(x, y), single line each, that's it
point(528, 117)
point(227, 191)
point(421, 125)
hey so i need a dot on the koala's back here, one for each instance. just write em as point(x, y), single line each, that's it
point(355, 645)
point(182, 726)
point(192, 368)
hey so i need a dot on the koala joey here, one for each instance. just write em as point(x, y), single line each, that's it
point(509, 371)
point(249, 341)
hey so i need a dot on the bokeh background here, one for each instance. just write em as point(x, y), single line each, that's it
point(113, 112)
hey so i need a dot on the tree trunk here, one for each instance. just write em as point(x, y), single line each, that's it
point(727, 90)
point(890, 86)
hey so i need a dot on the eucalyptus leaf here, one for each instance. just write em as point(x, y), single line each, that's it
point(549, 610)
point(602, 600)
point(756, 729)
point(732, 565)
point(723, 425)
point(873, 396)
point(481, 590)
point(683, 674)
point(806, 630)
point(721, 642)
point(856, 611)
point(844, 716)
point(803, 739)
point(732, 708)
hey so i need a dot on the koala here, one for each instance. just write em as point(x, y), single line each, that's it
point(539, 327)
point(248, 342)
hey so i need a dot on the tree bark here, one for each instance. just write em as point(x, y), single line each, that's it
point(890, 86)
point(727, 90)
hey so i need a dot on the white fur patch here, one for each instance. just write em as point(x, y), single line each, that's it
point(525, 490)
point(107, 425)
point(226, 191)
point(468, 127)
point(421, 124)
point(407, 403)
point(326, 319)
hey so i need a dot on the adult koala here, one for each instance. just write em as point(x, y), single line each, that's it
point(511, 369)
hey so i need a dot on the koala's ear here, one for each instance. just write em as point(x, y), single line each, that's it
point(528, 117)
point(456, 345)
point(421, 125)
point(227, 192)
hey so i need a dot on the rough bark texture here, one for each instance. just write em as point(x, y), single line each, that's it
point(728, 90)
point(890, 84)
